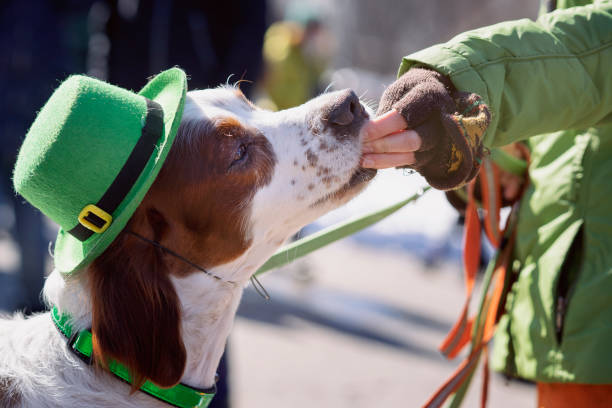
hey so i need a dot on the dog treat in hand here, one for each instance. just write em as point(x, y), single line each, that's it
point(450, 123)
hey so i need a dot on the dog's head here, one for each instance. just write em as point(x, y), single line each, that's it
point(237, 183)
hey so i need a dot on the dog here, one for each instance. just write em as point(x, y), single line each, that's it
point(239, 181)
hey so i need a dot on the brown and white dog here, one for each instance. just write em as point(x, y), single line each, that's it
point(238, 182)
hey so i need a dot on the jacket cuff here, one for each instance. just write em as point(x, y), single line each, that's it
point(450, 62)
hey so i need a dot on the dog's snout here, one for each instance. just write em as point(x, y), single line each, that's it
point(345, 109)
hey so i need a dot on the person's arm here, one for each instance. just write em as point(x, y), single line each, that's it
point(535, 77)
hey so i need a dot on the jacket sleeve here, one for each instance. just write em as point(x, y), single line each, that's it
point(537, 77)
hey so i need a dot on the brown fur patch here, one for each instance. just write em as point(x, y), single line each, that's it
point(136, 313)
point(228, 126)
point(204, 195)
point(328, 180)
point(9, 397)
point(322, 170)
point(312, 158)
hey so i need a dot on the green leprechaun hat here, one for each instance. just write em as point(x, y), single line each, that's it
point(91, 155)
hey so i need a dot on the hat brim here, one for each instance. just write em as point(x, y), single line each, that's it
point(168, 89)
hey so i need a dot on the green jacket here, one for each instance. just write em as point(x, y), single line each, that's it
point(550, 82)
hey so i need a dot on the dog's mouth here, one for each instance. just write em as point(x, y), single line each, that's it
point(360, 176)
point(356, 183)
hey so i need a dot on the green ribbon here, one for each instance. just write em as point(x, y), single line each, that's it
point(306, 245)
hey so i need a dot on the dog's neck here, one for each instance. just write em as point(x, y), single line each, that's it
point(209, 307)
point(208, 310)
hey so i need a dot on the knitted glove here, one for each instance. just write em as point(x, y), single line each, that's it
point(451, 125)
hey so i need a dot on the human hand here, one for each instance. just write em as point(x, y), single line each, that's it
point(444, 140)
point(387, 142)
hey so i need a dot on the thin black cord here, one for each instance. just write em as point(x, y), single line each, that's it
point(187, 261)
point(254, 281)
point(261, 291)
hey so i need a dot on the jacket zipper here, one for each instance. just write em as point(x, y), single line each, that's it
point(561, 309)
point(568, 275)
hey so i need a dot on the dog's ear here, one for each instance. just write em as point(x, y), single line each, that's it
point(135, 309)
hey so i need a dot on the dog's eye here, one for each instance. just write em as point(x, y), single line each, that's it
point(239, 154)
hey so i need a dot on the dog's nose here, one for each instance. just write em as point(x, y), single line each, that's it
point(346, 109)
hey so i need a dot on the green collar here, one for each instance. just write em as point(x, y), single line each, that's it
point(180, 395)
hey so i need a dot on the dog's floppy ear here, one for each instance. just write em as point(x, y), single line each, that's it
point(135, 309)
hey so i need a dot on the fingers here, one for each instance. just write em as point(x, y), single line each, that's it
point(386, 160)
point(388, 144)
point(390, 122)
point(402, 142)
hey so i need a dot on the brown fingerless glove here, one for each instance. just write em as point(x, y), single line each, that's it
point(450, 123)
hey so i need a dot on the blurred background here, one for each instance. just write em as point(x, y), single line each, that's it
point(355, 324)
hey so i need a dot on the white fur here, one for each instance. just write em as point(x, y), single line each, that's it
point(33, 355)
